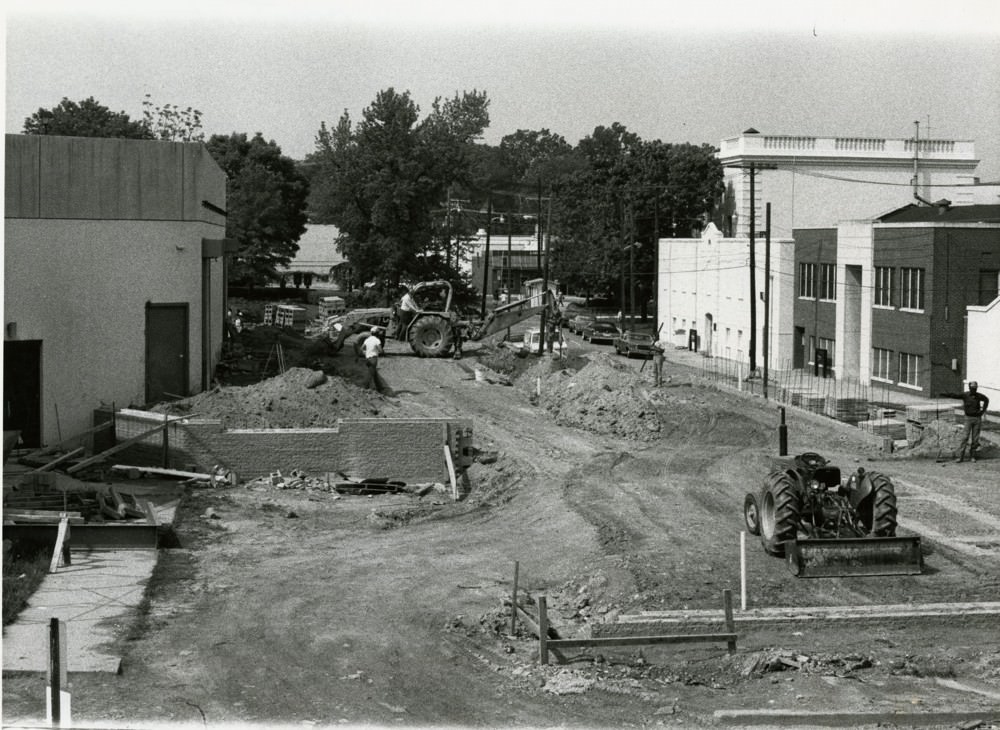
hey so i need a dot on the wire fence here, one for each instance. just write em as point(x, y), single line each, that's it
point(872, 406)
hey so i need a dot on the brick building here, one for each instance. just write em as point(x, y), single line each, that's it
point(887, 300)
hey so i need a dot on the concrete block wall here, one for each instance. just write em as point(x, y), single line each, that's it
point(411, 450)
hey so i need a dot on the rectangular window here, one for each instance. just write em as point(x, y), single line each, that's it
point(828, 345)
point(912, 289)
point(828, 282)
point(883, 286)
point(909, 369)
point(807, 281)
point(881, 360)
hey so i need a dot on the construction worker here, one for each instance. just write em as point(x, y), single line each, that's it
point(371, 348)
point(974, 405)
point(658, 347)
point(407, 310)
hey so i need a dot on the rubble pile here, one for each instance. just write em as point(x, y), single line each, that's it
point(936, 439)
point(298, 398)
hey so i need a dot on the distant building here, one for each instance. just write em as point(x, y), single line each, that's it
point(114, 277)
point(704, 299)
point(513, 261)
point(317, 252)
point(815, 182)
point(908, 300)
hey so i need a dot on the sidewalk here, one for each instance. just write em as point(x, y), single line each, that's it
point(97, 597)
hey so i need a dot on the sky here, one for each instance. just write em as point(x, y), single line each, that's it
point(666, 71)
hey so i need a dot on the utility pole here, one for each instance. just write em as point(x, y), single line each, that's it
point(447, 230)
point(753, 276)
point(486, 258)
point(538, 224)
point(767, 289)
point(544, 339)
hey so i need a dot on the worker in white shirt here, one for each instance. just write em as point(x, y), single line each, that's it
point(371, 348)
point(407, 310)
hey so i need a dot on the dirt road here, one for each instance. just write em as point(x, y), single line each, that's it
point(304, 608)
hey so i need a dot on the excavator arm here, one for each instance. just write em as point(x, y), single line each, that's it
point(508, 315)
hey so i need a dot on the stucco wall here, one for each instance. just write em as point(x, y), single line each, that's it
point(81, 287)
point(984, 350)
point(710, 275)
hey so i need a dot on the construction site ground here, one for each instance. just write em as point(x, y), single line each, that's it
point(308, 608)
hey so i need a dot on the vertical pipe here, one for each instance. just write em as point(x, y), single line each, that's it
point(743, 570)
point(753, 276)
point(767, 288)
point(782, 434)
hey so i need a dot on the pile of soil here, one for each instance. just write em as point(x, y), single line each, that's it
point(605, 396)
point(298, 398)
point(942, 439)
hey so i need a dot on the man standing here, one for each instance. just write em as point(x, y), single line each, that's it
point(659, 347)
point(407, 310)
point(371, 348)
point(974, 404)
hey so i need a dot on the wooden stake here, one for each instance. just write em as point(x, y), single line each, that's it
point(60, 539)
point(451, 472)
point(513, 602)
point(543, 631)
point(743, 570)
point(57, 699)
point(727, 605)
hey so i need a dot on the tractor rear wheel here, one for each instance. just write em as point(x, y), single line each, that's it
point(431, 336)
point(779, 513)
point(878, 510)
point(751, 514)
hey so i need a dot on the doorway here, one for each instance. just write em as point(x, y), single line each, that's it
point(166, 351)
point(22, 390)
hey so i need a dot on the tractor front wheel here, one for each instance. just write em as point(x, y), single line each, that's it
point(431, 336)
point(751, 514)
point(779, 513)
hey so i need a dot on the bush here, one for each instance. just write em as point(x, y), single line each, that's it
point(24, 568)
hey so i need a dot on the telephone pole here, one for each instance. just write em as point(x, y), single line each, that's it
point(753, 275)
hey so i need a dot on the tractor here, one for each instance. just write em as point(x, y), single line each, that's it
point(828, 526)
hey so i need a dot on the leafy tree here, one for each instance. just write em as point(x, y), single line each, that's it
point(383, 182)
point(171, 123)
point(266, 204)
point(86, 118)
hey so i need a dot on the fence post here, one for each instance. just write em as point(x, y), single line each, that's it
point(543, 631)
point(57, 703)
point(727, 604)
point(513, 602)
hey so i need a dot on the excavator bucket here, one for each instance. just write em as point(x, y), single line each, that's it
point(856, 556)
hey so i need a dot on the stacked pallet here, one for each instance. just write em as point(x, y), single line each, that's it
point(918, 415)
point(848, 410)
point(885, 427)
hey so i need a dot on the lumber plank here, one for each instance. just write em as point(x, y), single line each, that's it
point(51, 519)
point(15, 512)
point(123, 445)
point(159, 471)
point(56, 462)
point(639, 640)
point(60, 539)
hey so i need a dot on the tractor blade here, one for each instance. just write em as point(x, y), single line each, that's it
point(856, 556)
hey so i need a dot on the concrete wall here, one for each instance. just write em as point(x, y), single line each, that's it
point(94, 230)
point(854, 333)
point(984, 350)
point(411, 450)
point(707, 279)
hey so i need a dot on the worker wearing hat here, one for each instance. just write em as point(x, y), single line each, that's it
point(371, 348)
point(974, 405)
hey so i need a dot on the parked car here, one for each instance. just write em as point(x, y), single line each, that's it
point(569, 312)
point(532, 338)
point(577, 324)
point(600, 332)
point(634, 343)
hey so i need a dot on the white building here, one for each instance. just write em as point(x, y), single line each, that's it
point(114, 277)
point(704, 295)
point(814, 182)
point(984, 331)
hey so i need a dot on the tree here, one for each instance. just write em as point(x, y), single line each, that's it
point(383, 181)
point(171, 123)
point(266, 204)
point(86, 118)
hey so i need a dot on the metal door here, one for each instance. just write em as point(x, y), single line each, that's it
point(166, 351)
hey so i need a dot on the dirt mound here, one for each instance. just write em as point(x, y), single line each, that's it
point(604, 396)
point(942, 439)
point(286, 401)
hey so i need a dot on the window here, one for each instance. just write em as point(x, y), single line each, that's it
point(881, 360)
point(828, 281)
point(807, 281)
point(883, 286)
point(909, 369)
point(828, 345)
point(912, 289)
